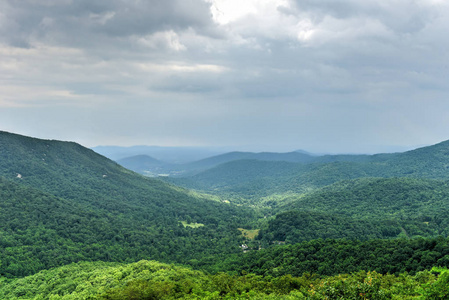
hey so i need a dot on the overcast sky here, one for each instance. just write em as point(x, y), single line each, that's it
point(320, 75)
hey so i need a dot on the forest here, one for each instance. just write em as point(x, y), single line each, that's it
point(154, 280)
point(77, 225)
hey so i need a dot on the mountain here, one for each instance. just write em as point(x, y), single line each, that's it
point(174, 155)
point(293, 227)
point(378, 198)
point(255, 178)
point(64, 203)
point(214, 161)
point(148, 166)
point(182, 162)
point(362, 209)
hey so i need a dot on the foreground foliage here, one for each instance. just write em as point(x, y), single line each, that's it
point(154, 280)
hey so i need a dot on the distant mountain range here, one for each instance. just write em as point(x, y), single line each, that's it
point(149, 166)
point(251, 177)
point(171, 155)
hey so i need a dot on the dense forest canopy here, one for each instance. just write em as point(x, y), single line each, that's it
point(272, 227)
point(71, 204)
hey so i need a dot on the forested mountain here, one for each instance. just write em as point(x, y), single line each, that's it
point(298, 226)
point(71, 171)
point(267, 156)
point(374, 198)
point(363, 209)
point(354, 157)
point(62, 202)
point(256, 178)
point(143, 166)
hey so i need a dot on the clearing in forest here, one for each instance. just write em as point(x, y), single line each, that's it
point(249, 233)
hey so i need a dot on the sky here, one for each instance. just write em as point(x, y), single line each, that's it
point(331, 76)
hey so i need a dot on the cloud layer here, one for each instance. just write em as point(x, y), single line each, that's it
point(325, 75)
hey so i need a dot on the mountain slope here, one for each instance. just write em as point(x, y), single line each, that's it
point(298, 226)
point(62, 202)
point(362, 209)
point(266, 156)
point(71, 171)
point(255, 178)
point(375, 198)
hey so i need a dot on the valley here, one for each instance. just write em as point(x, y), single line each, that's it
point(240, 224)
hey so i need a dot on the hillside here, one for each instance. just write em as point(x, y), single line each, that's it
point(292, 227)
point(329, 257)
point(62, 203)
point(73, 172)
point(374, 198)
point(252, 179)
point(210, 162)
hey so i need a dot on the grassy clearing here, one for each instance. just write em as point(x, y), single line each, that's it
point(249, 233)
point(192, 225)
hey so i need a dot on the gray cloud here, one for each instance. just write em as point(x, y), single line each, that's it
point(322, 74)
point(399, 16)
point(83, 22)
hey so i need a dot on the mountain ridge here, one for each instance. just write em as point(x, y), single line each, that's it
point(272, 177)
point(91, 208)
